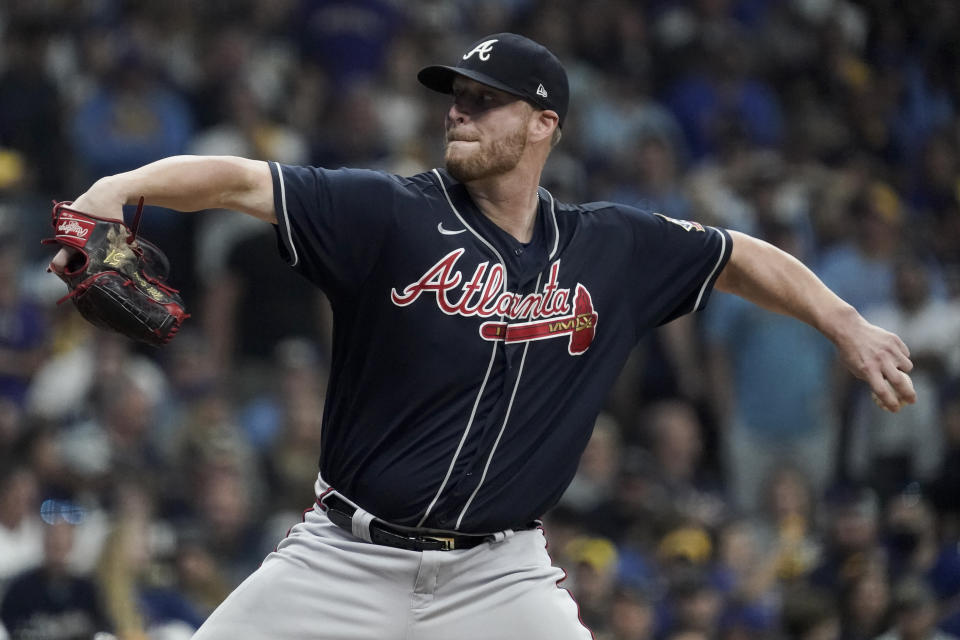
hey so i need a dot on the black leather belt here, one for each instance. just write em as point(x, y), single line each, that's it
point(341, 513)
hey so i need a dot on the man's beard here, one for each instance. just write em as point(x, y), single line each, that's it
point(494, 159)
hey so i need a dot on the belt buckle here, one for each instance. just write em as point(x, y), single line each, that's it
point(446, 544)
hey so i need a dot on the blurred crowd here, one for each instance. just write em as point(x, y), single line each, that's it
point(739, 486)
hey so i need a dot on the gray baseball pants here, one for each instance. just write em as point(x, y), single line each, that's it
point(322, 583)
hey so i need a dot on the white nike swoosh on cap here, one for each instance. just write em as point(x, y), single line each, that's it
point(448, 232)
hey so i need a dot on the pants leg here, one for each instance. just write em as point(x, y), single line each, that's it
point(320, 584)
point(501, 591)
point(324, 584)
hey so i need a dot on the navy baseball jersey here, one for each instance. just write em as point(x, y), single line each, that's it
point(468, 368)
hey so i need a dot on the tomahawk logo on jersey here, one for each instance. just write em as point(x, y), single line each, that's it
point(472, 364)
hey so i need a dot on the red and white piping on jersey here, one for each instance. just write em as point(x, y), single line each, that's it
point(286, 217)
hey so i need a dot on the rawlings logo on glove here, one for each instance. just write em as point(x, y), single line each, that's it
point(71, 227)
point(116, 280)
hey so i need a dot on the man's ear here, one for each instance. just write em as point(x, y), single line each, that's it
point(542, 125)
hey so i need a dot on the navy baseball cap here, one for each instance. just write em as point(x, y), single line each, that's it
point(511, 63)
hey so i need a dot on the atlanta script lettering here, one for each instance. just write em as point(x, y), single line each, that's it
point(545, 314)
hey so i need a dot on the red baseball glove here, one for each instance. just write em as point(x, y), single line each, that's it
point(116, 280)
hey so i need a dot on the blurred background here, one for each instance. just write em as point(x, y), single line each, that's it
point(739, 486)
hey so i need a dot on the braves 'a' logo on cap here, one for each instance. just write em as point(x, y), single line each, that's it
point(482, 50)
point(539, 315)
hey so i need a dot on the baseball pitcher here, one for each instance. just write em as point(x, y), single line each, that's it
point(478, 326)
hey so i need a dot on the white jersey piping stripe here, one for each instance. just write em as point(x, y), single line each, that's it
point(503, 427)
point(286, 216)
point(463, 439)
point(471, 229)
point(703, 289)
point(493, 354)
point(556, 229)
